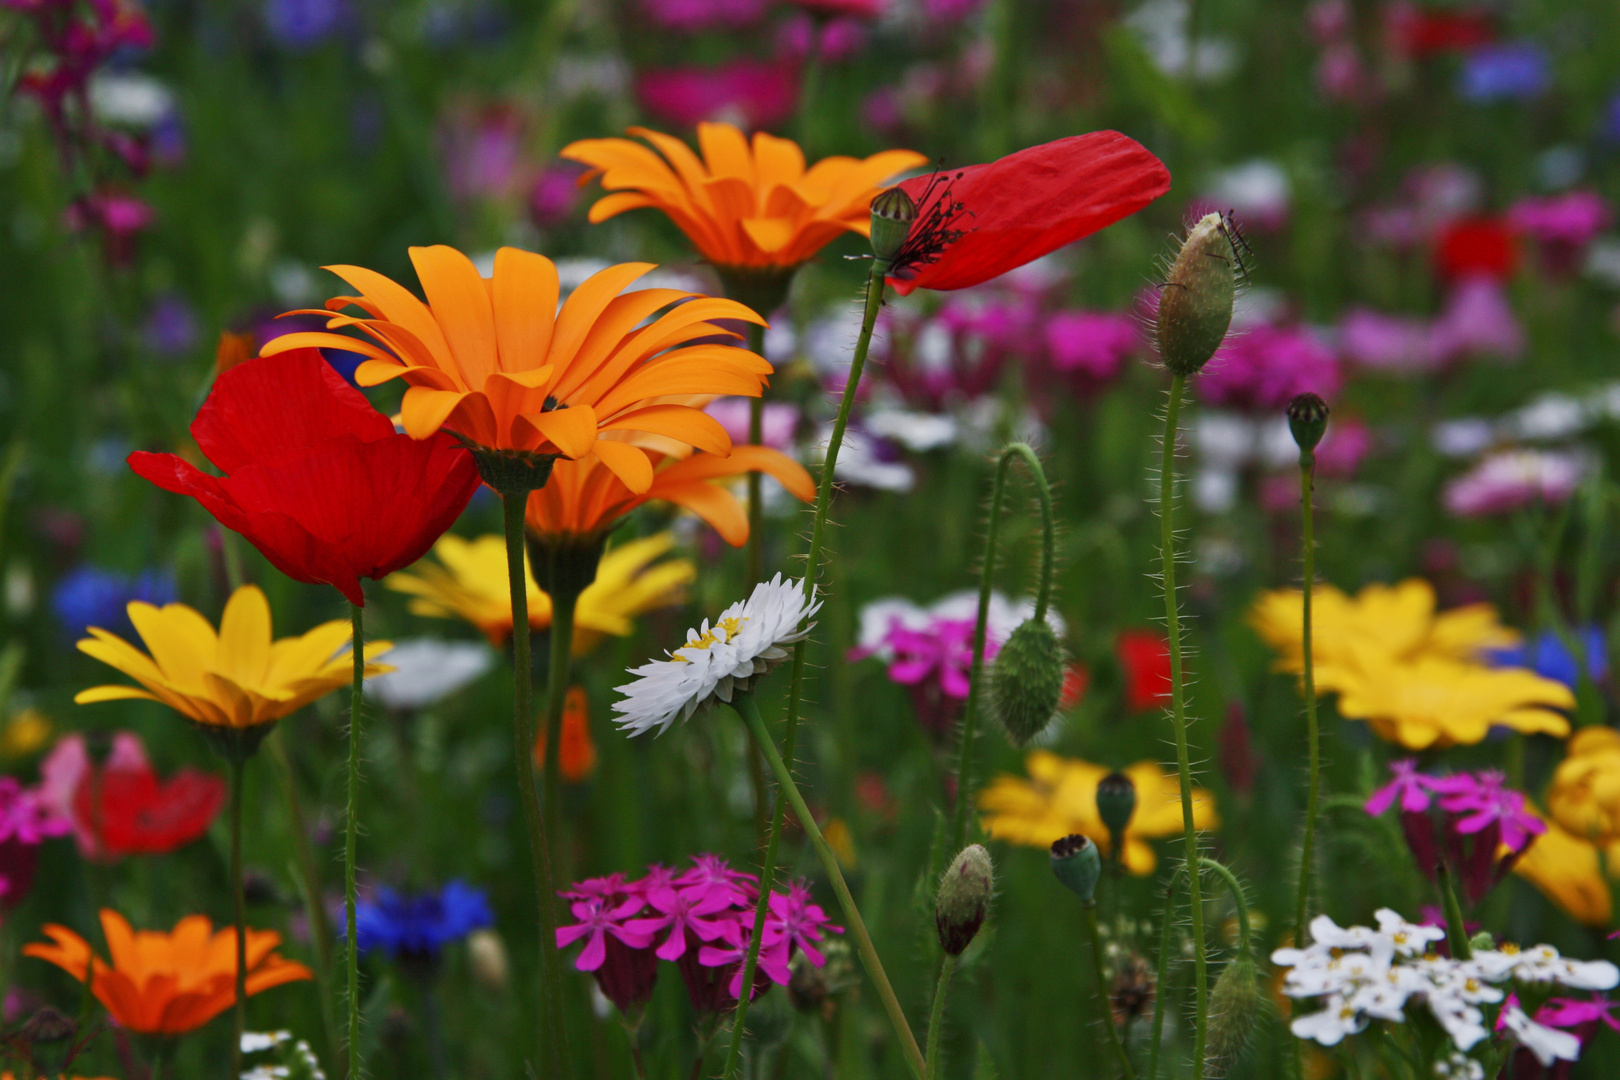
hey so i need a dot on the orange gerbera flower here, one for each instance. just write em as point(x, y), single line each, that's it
point(583, 500)
point(167, 984)
point(496, 362)
point(740, 205)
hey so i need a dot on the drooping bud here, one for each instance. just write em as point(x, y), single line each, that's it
point(1026, 680)
point(1116, 803)
point(1235, 1007)
point(1307, 421)
point(1195, 305)
point(893, 211)
point(1076, 863)
point(963, 899)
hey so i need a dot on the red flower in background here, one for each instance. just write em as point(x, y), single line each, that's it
point(129, 811)
point(1144, 657)
point(1476, 246)
point(317, 479)
point(1028, 204)
point(1417, 31)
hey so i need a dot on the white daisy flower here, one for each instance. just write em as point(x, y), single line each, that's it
point(719, 658)
point(427, 670)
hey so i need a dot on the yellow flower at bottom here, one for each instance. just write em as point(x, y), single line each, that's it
point(1060, 797)
point(1569, 873)
point(1435, 702)
point(1585, 793)
point(236, 678)
point(471, 584)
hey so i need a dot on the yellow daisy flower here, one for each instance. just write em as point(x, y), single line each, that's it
point(1060, 797)
point(470, 583)
point(236, 678)
point(1435, 702)
point(1585, 793)
point(1568, 872)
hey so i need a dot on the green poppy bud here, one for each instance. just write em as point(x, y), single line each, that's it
point(1116, 803)
point(1235, 1007)
point(1026, 680)
point(963, 899)
point(893, 211)
point(1195, 305)
point(1076, 863)
point(1307, 420)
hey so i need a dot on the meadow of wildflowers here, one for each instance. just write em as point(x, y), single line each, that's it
point(809, 538)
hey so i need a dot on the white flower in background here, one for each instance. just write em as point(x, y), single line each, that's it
point(1409, 939)
point(1551, 416)
point(860, 463)
point(427, 671)
point(1463, 437)
point(1543, 964)
point(1161, 27)
point(1546, 1043)
point(1459, 1066)
point(719, 658)
point(130, 98)
point(1002, 617)
point(1332, 1024)
point(916, 431)
point(1259, 190)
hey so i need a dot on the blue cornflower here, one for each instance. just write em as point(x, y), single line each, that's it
point(90, 596)
point(298, 25)
point(418, 926)
point(171, 327)
point(1516, 71)
point(1548, 656)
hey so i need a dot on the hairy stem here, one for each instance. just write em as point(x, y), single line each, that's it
point(239, 906)
point(1239, 901)
point(936, 1017)
point(1313, 793)
point(563, 604)
point(1162, 976)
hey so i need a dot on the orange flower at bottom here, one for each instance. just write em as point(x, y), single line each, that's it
point(576, 753)
point(168, 984)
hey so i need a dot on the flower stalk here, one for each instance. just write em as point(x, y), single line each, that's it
point(351, 832)
point(1090, 912)
point(936, 1018)
point(1162, 975)
point(564, 602)
point(239, 912)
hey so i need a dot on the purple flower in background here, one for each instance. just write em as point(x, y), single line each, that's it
point(691, 15)
point(416, 927)
point(1092, 343)
point(554, 194)
point(1510, 480)
point(1265, 367)
point(1477, 320)
point(299, 25)
point(1573, 218)
point(1393, 343)
point(838, 40)
point(779, 421)
point(89, 596)
point(1515, 71)
point(748, 93)
point(483, 152)
point(27, 819)
point(1348, 441)
point(171, 327)
point(1484, 800)
point(1409, 786)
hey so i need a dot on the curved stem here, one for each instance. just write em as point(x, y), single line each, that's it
point(852, 914)
point(1102, 991)
point(1161, 977)
point(1239, 901)
point(239, 905)
point(513, 505)
point(756, 436)
point(748, 709)
point(563, 605)
point(1178, 711)
point(351, 832)
point(936, 1017)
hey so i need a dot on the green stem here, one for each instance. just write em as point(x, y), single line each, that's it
point(1161, 990)
point(748, 709)
point(1307, 856)
point(1102, 991)
point(1178, 711)
point(1456, 928)
point(852, 914)
point(970, 713)
point(239, 904)
point(564, 602)
point(936, 1018)
point(513, 504)
point(756, 436)
point(1239, 901)
point(351, 834)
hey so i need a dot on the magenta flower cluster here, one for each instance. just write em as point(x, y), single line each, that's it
point(1460, 821)
point(1264, 367)
point(27, 819)
point(932, 662)
point(699, 920)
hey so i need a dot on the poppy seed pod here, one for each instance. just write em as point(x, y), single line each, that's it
point(1116, 803)
point(963, 899)
point(893, 211)
point(1076, 863)
point(1026, 680)
point(1195, 306)
point(1235, 1005)
point(1307, 422)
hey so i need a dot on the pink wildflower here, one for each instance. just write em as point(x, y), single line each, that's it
point(749, 93)
point(1485, 800)
point(1509, 480)
point(1092, 343)
point(1265, 367)
point(1409, 786)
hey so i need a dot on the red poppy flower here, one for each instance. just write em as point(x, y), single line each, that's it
point(1144, 657)
point(1425, 32)
point(317, 479)
point(1476, 245)
point(132, 812)
point(977, 223)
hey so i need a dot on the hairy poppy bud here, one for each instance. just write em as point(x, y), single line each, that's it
point(1235, 1005)
point(1026, 680)
point(1307, 421)
point(963, 899)
point(1116, 803)
point(1195, 306)
point(893, 211)
point(1076, 863)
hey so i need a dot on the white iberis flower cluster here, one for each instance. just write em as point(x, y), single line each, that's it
point(1367, 974)
point(745, 641)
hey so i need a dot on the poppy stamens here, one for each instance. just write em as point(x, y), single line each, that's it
point(935, 228)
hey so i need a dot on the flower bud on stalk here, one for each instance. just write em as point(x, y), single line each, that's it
point(1076, 863)
point(1307, 422)
point(1026, 680)
point(1235, 1005)
point(893, 211)
point(964, 898)
point(1116, 804)
point(1195, 306)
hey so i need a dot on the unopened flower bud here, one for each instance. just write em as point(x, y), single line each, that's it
point(1026, 680)
point(1307, 421)
point(48, 1026)
point(963, 899)
point(1116, 803)
point(893, 211)
point(1235, 1005)
point(1482, 942)
point(1076, 863)
point(1195, 306)
point(487, 954)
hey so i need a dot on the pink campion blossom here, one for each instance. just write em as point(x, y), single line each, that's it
point(599, 918)
point(794, 921)
point(1510, 480)
point(683, 913)
point(1409, 786)
point(1092, 343)
point(693, 15)
point(712, 874)
point(1347, 442)
point(1484, 799)
point(64, 768)
point(1574, 218)
point(1265, 367)
point(1477, 320)
point(607, 889)
point(554, 194)
point(833, 42)
point(751, 94)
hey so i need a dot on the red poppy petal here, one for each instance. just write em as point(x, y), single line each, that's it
point(1033, 202)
